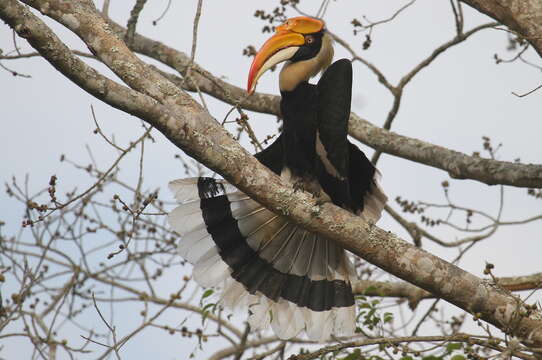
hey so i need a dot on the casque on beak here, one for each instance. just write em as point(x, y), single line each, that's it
point(282, 46)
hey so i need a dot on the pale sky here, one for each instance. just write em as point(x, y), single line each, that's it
point(461, 97)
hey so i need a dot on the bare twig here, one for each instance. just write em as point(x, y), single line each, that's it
point(528, 92)
point(155, 21)
point(132, 21)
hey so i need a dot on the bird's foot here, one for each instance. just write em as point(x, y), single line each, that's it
point(298, 185)
point(316, 195)
point(319, 200)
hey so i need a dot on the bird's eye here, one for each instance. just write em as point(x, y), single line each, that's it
point(309, 39)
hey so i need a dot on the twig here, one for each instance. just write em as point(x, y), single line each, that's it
point(15, 73)
point(132, 21)
point(105, 9)
point(527, 93)
point(242, 344)
point(115, 346)
point(458, 16)
point(60, 206)
point(391, 18)
point(397, 91)
point(155, 22)
point(193, 52)
point(406, 339)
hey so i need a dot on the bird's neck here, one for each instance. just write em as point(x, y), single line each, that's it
point(293, 73)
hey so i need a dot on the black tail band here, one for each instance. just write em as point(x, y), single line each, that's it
point(255, 273)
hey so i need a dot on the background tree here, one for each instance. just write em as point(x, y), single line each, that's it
point(93, 268)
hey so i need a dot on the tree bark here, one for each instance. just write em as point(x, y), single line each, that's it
point(457, 164)
point(414, 294)
point(183, 121)
point(521, 16)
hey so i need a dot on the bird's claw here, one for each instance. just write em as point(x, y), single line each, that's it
point(298, 185)
point(319, 200)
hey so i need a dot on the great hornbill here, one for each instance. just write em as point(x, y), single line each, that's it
point(288, 277)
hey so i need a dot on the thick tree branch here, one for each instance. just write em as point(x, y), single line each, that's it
point(457, 164)
point(521, 16)
point(415, 294)
point(190, 128)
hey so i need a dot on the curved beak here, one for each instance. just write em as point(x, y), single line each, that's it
point(280, 47)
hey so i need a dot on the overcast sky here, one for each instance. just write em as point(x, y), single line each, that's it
point(462, 96)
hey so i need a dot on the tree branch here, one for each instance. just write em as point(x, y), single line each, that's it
point(132, 21)
point(457, 164)
point(189, 127)
point(407, 339)
point(415, 294)
point(521, 16)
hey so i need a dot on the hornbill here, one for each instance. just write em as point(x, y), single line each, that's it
point(288, 277)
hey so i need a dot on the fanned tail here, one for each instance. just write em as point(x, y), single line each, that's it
point(289, 278)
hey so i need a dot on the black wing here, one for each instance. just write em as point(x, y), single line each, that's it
point(272, 156)
point(332, 147)
point(347, 174)
point(362, 181)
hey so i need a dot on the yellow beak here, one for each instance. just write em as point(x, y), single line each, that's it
point(281, 46)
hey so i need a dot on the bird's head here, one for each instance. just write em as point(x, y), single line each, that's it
point(301, 41)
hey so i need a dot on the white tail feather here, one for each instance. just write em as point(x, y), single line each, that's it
point(287, 319)
point(185, 218)
point(345, 321)
point(196, 244)
point(234, 294)
point(288, 248)
point(320, 325)
point(260, 317)
point(210, 270)
point(185, 190)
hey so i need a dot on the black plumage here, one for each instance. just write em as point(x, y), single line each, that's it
point(320, 113)
point(256, 274)
point(288, 277)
